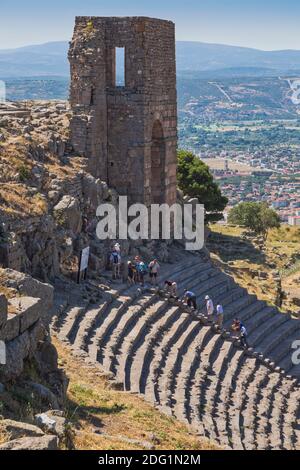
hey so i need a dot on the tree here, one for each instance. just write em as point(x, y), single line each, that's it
point(256, 216)
point(195, 180)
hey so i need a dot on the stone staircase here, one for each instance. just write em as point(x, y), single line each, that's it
point(239, 399)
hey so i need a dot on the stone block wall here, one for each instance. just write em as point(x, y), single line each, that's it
point(24, 321)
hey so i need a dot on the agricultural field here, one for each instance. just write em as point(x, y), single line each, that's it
point(219, 164)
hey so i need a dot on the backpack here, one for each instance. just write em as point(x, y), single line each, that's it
point(142, 268)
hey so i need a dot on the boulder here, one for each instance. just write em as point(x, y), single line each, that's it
point(11, 329)
point(52, 422)
point(28, 286)
point(16, 351)
point(53, 196)
point(19, 322)
point(94, 190)
point(37, 334)
point(61, 146)
point(45, 422)
point(44, 394)
point(115, 385)
point(47, 357)
point(27, 309)
point(67, 213)
point(58, 381)
point(16, 430)
point(65, 248)
point(32, 443)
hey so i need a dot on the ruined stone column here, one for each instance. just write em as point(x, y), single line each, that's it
point(125, 114)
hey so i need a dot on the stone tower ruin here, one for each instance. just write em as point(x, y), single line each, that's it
point(125, 122)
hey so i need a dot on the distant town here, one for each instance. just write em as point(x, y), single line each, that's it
point(247, 129)
point(247, 177)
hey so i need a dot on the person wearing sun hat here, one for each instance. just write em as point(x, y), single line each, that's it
point(209, 307)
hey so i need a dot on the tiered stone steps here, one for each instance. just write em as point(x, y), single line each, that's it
point(155, 347)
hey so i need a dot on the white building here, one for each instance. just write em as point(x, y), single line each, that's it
point(294, 220)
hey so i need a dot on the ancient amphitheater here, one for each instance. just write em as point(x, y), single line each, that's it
point(125, 139)
point(150, 345)
point(153, 347)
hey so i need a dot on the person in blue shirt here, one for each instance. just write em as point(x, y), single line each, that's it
point(115, 261)
point(241, 332)
point(142, 271)
point(190, 298)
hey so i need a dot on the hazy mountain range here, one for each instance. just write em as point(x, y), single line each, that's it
point(193, 58)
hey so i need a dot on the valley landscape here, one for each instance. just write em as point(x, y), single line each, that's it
point(234, 104)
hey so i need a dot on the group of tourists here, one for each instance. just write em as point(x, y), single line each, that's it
point(138, 270)
point(213, 315)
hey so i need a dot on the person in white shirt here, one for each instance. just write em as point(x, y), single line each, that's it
point(243, 336)
point(220, 316)
point(209, 307)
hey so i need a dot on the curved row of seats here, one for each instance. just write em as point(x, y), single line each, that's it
point(182, 366)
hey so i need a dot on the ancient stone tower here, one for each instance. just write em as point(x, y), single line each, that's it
point(126, 122)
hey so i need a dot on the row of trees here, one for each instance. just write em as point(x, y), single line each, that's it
point(196, 181)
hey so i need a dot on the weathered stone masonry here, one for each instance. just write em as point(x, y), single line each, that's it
point(128, 133)
point(24, 328)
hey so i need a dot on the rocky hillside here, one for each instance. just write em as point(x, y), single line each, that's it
point(45, 192)
point(48, 200)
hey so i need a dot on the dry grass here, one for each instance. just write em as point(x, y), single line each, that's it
point(285, 243)
point(14, 159)
point(282, 247)
point(16, 201)
point(230, 230)
point(93, 407)
point(75, 164)
point(7, 291)
point(18, 164)
point(4, 436)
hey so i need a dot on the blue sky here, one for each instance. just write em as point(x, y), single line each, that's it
point(264, 24)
